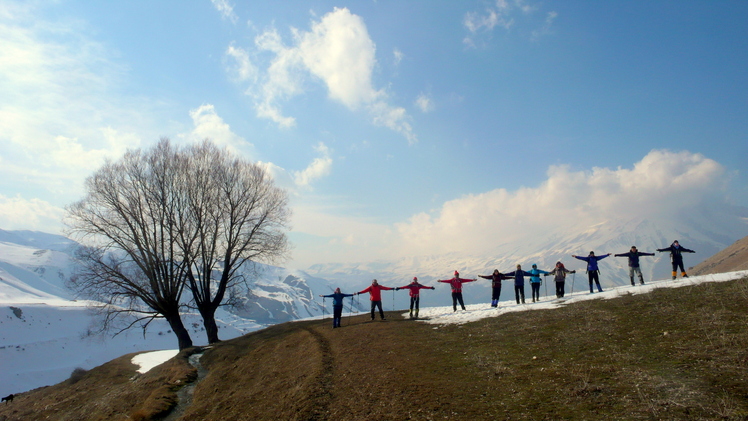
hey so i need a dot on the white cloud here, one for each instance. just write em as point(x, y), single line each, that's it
point(320, 167)
point(506, 15)
point(209, 125)
point(17, 213)
point(242, 69)
point(60, 116)
point(424, 103)
point(338, 52)
point(225, 9)
point(661, 183)
point(398, 56)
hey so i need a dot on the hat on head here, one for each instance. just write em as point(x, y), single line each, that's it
point(534, 265)
point(415, 278)
point(456, 273)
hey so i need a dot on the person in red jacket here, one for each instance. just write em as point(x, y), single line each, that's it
point(456, 284)
point(415, 294)
point(375, 295)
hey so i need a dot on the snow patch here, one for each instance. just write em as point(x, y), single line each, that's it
point(147, 360)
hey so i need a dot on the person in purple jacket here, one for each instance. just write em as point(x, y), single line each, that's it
point(519, 282)
point(634, 268)
point(496, 279)
point(593, 272)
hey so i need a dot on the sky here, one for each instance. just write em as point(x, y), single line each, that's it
point(397, 128)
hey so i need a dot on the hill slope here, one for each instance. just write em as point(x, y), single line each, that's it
point(670, 354)
point(732, 258)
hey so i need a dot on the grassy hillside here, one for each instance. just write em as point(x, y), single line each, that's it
point(673, 354)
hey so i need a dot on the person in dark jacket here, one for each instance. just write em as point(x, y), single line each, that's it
point(415, 294)
point(519, 282)
point(559, 275)
point(593, 272)
point(535, 282)
point(456, 284)
point(634, 268)
point(496, 279)
point(676, 258)
point(375, 295)
point(337, 306)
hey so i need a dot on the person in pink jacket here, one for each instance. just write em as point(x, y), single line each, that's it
point(456, 284)
point(415, 294)
point(375, 295)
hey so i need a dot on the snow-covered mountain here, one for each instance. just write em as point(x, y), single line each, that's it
point(45, 334)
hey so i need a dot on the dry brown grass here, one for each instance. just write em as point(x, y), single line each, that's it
point(679, 354)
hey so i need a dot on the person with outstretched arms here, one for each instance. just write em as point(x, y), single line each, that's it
point(634, 267)
point(337, 306)
point(593, 271)
point(375, 295)
point(415, 295)
point(456, 284)
point(676, 257)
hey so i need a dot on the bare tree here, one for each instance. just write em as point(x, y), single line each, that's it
point(132, 263)
point(169, 219)
point(235, 216)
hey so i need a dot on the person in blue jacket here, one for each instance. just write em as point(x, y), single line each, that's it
point(535, 282)
point(337, 306)
point(593, 272)
point(519, 282)
point(634, 268)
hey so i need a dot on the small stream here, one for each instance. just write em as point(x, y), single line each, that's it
point(184, 395)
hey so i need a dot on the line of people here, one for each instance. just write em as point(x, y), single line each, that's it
point(559, 273)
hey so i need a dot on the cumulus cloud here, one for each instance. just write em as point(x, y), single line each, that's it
point(209, 125)
point(337, 52)
point(661, 183)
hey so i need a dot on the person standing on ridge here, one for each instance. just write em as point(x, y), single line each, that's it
point(593, 272)
point(337, 306)
point(676, 258)
point(559, 275)
point(634, 268)
point(415, 294)
point(496, 279)
point(519, 282)
point(456, 284)
point(375, 295)
point(535, 282)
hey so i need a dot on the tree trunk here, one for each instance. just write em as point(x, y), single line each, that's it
point(183, 335)
point(209, 321)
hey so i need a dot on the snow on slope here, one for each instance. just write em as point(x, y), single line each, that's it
point(38, 320)
point(442, 316)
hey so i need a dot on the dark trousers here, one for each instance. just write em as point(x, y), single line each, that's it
point(594, 276)
point(374, 305)
point(560, 289)
point(678, 263)
point(457, 296)
point(535, 290)
point(496, 293)
point(519, 291)
point(414, 301)
point(337, 314)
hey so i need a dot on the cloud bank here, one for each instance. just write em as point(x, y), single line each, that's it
point(663, 183)
point(337, 52)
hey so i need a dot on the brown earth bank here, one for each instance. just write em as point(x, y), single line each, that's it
point(731, 259)
point(673, 354)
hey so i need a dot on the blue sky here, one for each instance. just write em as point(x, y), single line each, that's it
point(382, 117)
